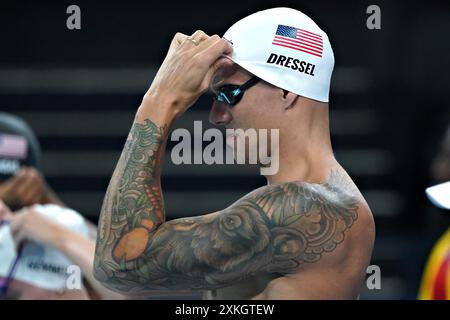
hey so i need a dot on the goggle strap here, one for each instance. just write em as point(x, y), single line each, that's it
point(250, 83)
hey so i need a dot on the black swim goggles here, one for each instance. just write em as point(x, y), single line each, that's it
point(231, 94)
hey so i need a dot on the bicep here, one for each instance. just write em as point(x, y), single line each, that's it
point(210, 251)
point(273, 231)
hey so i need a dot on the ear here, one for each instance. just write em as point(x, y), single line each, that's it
point(288, 98)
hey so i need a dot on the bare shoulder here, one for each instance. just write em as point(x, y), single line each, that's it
point(287, 229)
point(322, 238)
point(306, 222)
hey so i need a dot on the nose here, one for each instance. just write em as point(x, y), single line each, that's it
point(220, 114)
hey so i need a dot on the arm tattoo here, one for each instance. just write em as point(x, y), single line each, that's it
point(133, 204)
point(273, 229)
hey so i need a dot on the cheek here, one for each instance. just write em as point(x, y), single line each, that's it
point(248, 116)
point(258, 109)
point(264, 109)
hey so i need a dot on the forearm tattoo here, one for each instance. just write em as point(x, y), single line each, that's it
point(275, 228)
point(133, 205)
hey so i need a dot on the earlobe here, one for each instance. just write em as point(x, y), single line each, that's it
point(289, 99)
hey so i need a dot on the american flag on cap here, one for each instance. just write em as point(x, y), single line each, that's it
point(299, 39)
point(13, 146)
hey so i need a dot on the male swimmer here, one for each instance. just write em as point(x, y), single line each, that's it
point(307, 234)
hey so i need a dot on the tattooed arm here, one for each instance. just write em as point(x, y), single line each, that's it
point(273, 229)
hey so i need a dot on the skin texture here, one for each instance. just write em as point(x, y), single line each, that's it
point(309, 225)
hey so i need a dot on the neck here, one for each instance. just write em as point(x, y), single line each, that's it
point(305, 155)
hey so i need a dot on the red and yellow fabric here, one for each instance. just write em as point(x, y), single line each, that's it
point(436, 278)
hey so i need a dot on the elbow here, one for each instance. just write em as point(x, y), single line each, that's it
point(101, 275)
point(107, 277)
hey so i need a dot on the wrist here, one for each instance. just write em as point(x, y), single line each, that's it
point(161, 109)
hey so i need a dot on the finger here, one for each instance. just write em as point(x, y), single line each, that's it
point(198, 37)
point(180, 37)
point(208, 42)
point(177, 40)
point(212, 72)
point(215, 49)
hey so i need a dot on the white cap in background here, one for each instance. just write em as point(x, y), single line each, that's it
point(41, 266)
point(439, 195)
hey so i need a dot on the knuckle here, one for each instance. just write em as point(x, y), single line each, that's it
point(201, 34)
point(178, 37)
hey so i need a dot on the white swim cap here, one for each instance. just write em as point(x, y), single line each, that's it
point(40, 266)
point(439, 195)
point(285, 48)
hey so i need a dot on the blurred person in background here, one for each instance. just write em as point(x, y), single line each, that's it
point(38, 246)
point(23, 190)
point(435, 284)
point(21, 183)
